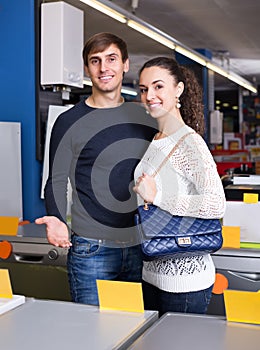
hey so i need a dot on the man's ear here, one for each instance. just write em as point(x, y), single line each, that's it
point(86, 70)
point(126, 66)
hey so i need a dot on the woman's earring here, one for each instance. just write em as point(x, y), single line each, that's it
point(178, 104)
point(146, 111)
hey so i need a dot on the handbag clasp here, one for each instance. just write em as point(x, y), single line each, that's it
point(146, 207)
point(184, 241)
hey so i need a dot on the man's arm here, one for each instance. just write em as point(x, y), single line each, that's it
point(55, 192)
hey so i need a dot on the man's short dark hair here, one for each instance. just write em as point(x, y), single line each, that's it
point(100, 42)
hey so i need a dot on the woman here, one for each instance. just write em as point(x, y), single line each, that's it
point(187, 185)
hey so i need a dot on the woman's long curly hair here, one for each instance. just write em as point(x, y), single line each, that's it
point(191, 99)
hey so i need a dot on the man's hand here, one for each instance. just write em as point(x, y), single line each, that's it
point(57, 232)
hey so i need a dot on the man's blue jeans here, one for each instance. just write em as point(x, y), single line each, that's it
point(89, 260)
point(190, 302)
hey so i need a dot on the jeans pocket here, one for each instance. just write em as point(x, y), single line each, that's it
point(83, 247)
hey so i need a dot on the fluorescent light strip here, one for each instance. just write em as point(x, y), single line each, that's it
point(87, 82)
point(129, 91)
point(217, 69)
point(190, 55)
point(105, 9)
point(239, 81)
point(234, 79)
point(249, 87)
point(161, 38)
point(124, 90)
point(151, 34)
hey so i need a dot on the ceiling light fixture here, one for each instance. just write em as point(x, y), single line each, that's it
point(217, 69)
point(87, 81)
point(240, 81)
point(121, 15)
point(193, 56)
point(150, 34)
point(128, 91)
point(97, 5)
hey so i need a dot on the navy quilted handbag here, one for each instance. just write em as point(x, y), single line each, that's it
point(166, 235)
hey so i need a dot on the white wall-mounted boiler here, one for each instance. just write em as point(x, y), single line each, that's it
point(62, 40)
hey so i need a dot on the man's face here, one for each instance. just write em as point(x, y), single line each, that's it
point(106, 69)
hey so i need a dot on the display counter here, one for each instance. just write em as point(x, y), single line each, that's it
point(37, 269)
point(241, 267)
point(45, 324)
point(186, 331)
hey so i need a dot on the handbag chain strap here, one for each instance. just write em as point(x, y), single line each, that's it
point(165, 160)
point(171, 152)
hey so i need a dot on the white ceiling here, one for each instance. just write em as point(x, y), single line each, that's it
point(228, 28)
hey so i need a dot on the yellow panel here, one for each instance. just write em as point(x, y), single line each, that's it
point(5, 284)
point(242, 306)
point(9, 225)
point(250, 197)
point(231, 236)
point(123, 296)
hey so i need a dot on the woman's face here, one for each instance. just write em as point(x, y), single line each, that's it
point(159, 91)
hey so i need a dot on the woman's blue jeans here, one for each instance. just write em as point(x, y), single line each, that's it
point(190, 302)
point(89, 260)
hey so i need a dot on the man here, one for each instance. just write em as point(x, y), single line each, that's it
point(97, 144)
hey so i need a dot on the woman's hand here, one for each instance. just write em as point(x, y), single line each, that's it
point(146, 187)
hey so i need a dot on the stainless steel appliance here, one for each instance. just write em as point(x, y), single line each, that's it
point(37, 269)
point(242, 269)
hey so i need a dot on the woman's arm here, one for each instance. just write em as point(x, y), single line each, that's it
point(199, 191)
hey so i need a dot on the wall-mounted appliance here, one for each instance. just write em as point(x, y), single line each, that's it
point(62, 37)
